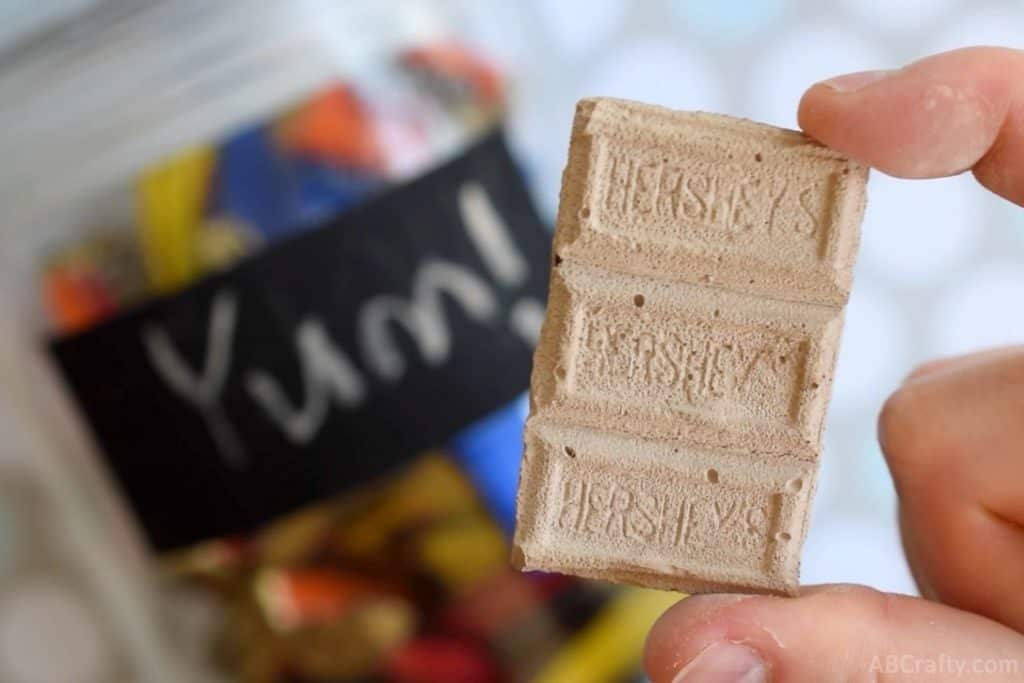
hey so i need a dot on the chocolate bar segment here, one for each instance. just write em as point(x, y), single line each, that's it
point(711, 200)
point(681, 382)
point(689, 362)
point(650, 512)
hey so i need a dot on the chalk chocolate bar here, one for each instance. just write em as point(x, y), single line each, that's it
point(701, 268)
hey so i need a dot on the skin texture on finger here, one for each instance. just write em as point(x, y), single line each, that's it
point(831, 633)
point(936, 117)
point(953, 437)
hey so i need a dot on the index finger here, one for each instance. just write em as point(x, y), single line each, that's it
point(936, 117)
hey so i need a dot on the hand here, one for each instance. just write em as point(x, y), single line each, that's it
point(953, 436)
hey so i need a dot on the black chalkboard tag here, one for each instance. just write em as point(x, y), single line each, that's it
point(324, 361)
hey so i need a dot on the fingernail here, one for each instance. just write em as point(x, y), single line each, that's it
point(724, 663)
point(856, 81)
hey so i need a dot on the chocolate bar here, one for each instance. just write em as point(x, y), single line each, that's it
point(701, 269)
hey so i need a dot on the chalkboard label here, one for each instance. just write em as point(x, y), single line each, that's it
point(324, 361)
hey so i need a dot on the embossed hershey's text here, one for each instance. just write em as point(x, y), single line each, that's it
point(683, 364)
point(616, 509)
point(711, 202)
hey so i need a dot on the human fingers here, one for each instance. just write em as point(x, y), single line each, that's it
point(832, 633)
point(953, 437)
point(936, 117)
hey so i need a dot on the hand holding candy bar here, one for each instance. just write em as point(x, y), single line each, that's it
point(953, 435)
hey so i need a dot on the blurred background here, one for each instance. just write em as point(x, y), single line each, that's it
point(115, 117)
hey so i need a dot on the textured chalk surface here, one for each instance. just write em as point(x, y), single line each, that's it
point(701, 267)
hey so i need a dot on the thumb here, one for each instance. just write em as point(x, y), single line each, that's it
point(938, 116)
point(830, 633)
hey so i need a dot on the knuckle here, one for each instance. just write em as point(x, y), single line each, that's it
point(900, 423)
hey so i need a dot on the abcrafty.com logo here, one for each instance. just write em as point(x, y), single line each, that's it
point(944, 665)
